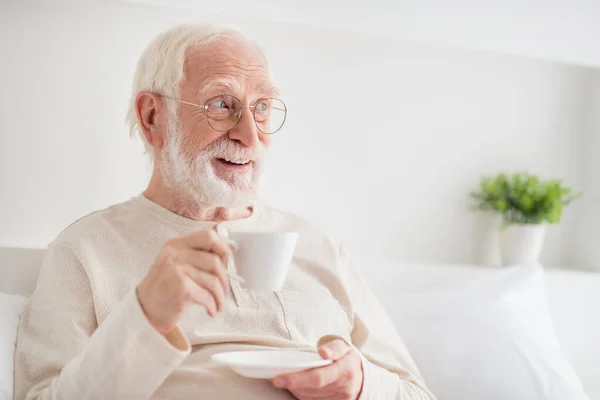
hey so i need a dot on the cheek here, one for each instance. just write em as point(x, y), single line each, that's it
point(197, 136)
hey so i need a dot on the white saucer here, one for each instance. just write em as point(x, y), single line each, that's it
point(268, 364)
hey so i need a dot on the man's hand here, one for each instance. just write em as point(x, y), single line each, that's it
point(189, 270)
point(341, 380)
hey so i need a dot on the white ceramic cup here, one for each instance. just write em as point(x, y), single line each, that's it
point(263, 258)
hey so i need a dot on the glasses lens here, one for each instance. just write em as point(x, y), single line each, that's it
point(223, 112)
point(270, 115)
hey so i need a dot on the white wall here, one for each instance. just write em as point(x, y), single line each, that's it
point(384, 141)
point(587, 250)
point(561, 30)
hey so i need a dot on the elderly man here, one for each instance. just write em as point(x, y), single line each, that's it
point(133, 300)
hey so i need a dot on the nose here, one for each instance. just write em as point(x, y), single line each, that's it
point(245, 131)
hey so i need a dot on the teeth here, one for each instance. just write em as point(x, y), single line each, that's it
point(239, 162)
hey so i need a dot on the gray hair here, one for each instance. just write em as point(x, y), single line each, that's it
point(160, 67)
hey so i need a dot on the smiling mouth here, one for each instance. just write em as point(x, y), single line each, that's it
point(234, 163)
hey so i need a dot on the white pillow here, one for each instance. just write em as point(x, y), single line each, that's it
point(488, 338)
point(11, 307)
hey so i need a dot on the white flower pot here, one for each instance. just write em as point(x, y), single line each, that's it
point(522, 243)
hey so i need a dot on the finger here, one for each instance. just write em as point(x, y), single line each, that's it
point(208, 262)
point(315, 378)
point(230, 244)
point(334, 350)
point(201, 296)
point(209, 282)
point(208, 241)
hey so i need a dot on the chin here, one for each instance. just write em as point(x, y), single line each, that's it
point(206, 189)
point(221, 193)
point(242, 192)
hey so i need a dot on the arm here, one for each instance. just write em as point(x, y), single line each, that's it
point(62, 353)
point(389, 371)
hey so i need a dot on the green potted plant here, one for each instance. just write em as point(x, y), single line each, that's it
point(526, 205)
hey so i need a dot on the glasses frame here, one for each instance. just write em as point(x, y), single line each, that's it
point(239, 114)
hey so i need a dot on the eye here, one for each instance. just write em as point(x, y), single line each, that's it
point(262, 106)
point(219, 104)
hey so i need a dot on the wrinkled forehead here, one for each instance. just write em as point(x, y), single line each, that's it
point(229, 66)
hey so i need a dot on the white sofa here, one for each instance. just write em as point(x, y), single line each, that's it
point(573, 297)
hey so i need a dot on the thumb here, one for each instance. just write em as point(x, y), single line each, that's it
point(334, 350)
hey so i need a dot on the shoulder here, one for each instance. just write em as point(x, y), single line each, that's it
point(95, 225)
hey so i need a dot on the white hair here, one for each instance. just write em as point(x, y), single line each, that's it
point(160, 67)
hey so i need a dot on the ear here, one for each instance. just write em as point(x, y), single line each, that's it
point(152, 116)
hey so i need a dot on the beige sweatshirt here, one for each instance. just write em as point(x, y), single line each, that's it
point(84, 336)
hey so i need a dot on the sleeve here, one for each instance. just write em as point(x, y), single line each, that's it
point(61, 353)
point(389, 371)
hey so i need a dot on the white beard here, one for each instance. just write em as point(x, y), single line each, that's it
point(195, 179)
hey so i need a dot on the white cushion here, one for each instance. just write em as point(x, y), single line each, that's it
point(11, 307)
point(485, 338)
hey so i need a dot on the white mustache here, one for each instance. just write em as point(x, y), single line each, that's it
point(232, 151)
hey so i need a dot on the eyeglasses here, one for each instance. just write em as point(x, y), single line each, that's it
point(225, 111)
